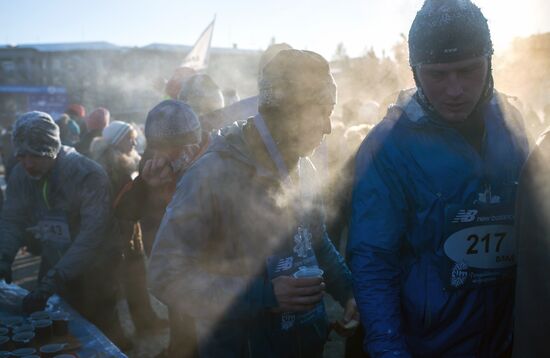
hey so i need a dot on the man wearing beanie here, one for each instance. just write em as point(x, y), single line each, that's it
point(242, 247)
point(175, 140)
point(202, 94)
point(244, 108)
point(69, 131)
point(431, 240)
point(115, 152)
point(62, 200)
point(77, 112)
point(95, 123)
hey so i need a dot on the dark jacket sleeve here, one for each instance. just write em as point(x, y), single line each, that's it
point(129, 203)
point(337, 274)
point(13, 219)
point(378, 224)
point(176, 275)
point(95, 209)
point(532, 226)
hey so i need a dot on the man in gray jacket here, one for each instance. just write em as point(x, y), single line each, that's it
point(242, 246)
point(59, 201)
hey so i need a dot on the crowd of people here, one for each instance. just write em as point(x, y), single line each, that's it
point(247, 215)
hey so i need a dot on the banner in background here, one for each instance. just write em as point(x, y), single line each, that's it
point(197, 59)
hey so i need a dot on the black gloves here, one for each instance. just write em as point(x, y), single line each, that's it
point(5, 271)
point(36, 300)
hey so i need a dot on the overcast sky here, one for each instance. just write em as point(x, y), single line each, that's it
point(316, 25)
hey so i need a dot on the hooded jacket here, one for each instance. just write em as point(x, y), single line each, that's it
point(78, 188)
point(409, 171)
point(229, 214)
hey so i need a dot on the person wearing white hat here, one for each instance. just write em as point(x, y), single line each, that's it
point(116, 153)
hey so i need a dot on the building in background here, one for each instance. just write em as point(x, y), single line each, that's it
point(102, 74)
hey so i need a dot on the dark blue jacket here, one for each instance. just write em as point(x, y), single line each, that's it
point(77, 187)
point(408, 171)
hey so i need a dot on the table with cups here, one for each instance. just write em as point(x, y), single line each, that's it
point(57, 332)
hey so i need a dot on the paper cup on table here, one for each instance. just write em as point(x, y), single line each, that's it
point(43, 330)
point(39, 315)
point(60, 323)
point(23, 352)
point(4, 342)
point(23, 328)
point(52, 350)
point(23, 340)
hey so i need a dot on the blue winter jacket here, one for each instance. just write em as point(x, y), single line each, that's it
point(408, 170)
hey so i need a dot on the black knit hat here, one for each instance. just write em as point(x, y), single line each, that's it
point(172, 122)
point(448, 31)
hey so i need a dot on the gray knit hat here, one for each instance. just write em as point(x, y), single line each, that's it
point(202, 94)
point(36, 133)
point(295, 77)
point(172, 122)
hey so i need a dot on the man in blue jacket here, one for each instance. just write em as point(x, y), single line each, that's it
point(432, 246)
point(241, 244)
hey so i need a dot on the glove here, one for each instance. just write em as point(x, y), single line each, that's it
point(5, 271)
point(37, 299)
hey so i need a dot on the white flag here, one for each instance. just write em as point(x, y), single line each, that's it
point(197, 59)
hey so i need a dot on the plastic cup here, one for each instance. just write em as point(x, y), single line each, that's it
point(22, 352)
point(23, 340)
point(43, 329)
point(60, 323)
point(23, 328)
point(40, 315)
point(10, 322)
point(4, 342)
point(308, 272)
point(51, 350)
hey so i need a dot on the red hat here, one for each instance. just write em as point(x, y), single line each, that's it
point(98, 119)
point(76, 110)
point(173, 86)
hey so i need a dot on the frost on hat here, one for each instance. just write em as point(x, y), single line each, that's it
point(271, 52)
point(98, 119)
point(116, 131)
point(202, 94)
point(172, 121)
point(36, 133)
point(296, 77)
point(448, 31)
